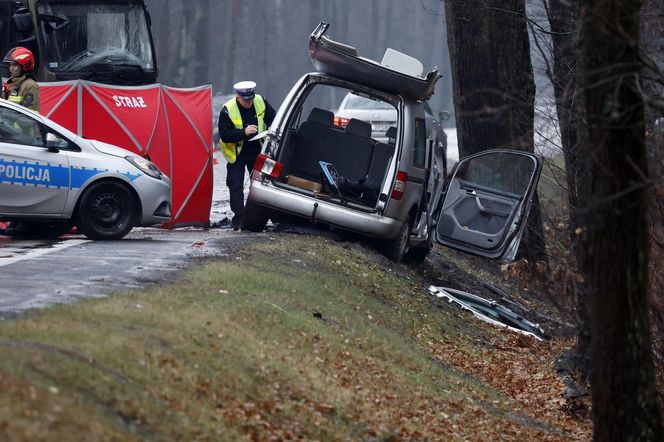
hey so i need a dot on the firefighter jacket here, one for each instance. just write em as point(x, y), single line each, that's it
point(231, 149)
point(22, 90)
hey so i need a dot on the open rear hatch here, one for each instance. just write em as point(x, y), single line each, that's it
point(397, 73)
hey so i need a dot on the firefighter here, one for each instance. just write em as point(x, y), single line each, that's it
point(241, 118)
point(21, 88)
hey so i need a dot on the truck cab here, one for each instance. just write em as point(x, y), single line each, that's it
point(96, 40)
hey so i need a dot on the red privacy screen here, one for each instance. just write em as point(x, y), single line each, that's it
point(173, 127)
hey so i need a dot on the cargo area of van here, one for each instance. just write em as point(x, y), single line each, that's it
point(337, 159)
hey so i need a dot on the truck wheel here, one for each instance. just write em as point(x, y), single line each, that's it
point(255, 217)
point(397, 248)
point(106, 211)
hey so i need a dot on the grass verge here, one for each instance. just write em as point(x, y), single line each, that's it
point(295, 338)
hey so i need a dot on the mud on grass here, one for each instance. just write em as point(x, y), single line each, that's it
point(297, 337)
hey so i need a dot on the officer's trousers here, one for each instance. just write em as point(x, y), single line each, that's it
point(235, 177)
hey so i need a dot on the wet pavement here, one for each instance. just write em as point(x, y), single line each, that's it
point(36, 273)
point(39, 273)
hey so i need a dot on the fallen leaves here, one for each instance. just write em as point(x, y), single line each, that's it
point(523, 369)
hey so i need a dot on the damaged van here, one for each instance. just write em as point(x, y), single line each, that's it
point(385, 181)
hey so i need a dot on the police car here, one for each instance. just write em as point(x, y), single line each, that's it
point(51, 179)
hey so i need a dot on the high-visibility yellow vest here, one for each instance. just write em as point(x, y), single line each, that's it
point(232, 150)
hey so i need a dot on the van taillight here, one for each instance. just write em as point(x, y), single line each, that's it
point(268, 166)
point(399, 185)
point(341, 121)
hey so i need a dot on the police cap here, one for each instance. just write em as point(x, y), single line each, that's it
point(245, 89)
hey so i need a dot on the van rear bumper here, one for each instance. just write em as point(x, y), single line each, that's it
point(371, 224)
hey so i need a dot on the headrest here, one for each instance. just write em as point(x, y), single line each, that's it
point(359, 128)
point(391, 133)
point(321, 116)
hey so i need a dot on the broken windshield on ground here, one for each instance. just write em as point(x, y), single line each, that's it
point(489, 311)
point(79, 35)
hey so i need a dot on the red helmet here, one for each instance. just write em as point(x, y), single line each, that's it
point(22, 56)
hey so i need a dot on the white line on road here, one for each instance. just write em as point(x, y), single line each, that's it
point(37, 252)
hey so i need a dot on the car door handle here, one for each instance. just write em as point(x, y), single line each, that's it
point(491, 211)
point(471, 192)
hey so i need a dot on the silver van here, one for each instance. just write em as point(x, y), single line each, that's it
point(387, 183)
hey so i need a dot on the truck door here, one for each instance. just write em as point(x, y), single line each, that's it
point(33, 180)
point(487, 203)
point(5, 16)
point(16, 28)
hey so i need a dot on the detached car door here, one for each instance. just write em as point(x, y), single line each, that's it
point(487, 203)
point(33, 180)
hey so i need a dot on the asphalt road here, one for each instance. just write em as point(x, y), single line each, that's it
point(36, 274)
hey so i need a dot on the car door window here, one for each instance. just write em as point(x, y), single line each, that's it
point(18, 128)
point(486, 201)
point(505, 174)
point(419, 159)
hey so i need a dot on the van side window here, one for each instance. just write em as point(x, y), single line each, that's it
point(420, 154)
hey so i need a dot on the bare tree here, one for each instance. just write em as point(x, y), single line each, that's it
point(652, 48)
point(564, 23)
point(493, 87)
point(622, 380)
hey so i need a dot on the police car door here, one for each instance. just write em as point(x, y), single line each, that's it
point(33, 179)
point(487, 203)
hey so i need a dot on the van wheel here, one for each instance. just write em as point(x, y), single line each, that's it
point(106, 211)
point(255, 217)
point(419, 253)
point(397, 248)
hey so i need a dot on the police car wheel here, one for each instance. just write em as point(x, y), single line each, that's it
point(106, 211)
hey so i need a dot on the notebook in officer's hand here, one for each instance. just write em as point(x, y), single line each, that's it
point(258, 136)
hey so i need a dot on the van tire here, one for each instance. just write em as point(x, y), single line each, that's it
point(396, 249)
point(255, 217)
point(106, 211)
point(419, 253)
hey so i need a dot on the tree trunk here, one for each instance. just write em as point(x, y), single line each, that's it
point(564, 21)
point(622, 381)
point(201, 65)
point(231, 57)
point(652, 47)
point(493, 87)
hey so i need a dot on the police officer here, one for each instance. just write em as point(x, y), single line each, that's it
point(240, 119)
point(21, 88)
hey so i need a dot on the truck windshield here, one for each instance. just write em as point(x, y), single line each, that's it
point(84, 36)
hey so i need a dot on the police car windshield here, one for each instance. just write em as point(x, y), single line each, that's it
point(78, 36)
